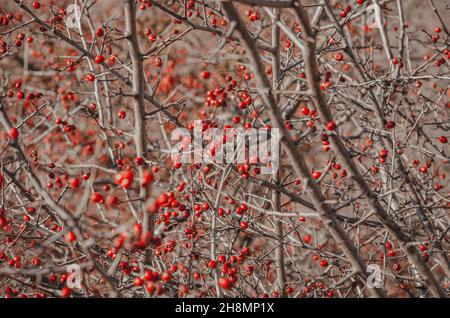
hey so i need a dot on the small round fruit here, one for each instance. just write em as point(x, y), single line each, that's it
point(323, 263)
point(224, 283)
point(331, 125)
point(99, 59)
point(14, 133)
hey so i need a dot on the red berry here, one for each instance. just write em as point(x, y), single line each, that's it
point(206, 74)
point(97, 197)
point(148, 178)
point(212, 264)
point(126, 182)
point(36, 261)
point(162, 199)
point(289, 290)
point(75, 183)
point(138, 282)
point(225, 283)
point(122, 114)
point(139, 161)
point(66, 292)
point(443, 139)
point(390, 124)
point(90, 77)
point(423, 169)
point(99, 32)
point(36, 5)
point(99, 59)
point(70, 237)
point(323, 263)
point(331, 125)
point(14, 133)
point(316, 174)
point(166, 276)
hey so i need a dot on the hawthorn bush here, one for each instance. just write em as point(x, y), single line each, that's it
point(91, 91)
